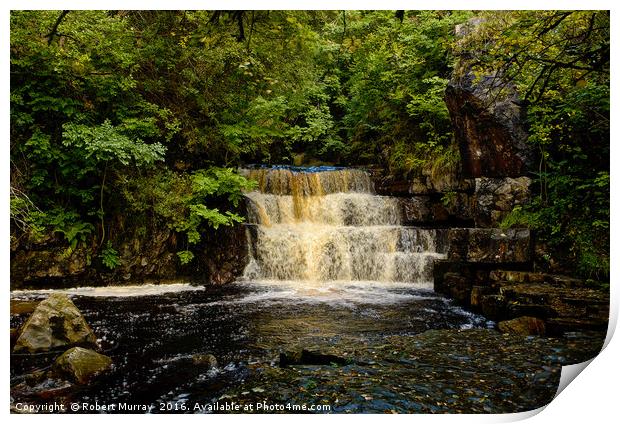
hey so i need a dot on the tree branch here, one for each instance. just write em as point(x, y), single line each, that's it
point(50, 36)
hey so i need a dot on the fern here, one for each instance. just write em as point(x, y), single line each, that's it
point(109, 256)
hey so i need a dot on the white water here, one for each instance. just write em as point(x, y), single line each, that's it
point(327, 235)
point(110, 291)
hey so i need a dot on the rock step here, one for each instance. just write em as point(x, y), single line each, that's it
point(564, 303)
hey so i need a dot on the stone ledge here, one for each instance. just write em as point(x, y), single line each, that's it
point(489, 245)
point(564, 303)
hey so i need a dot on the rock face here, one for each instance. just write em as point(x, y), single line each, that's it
point(55, 322)
point(30, 265)
point(437, 210)
point(223, 254)
point(489, 245)
point(81, 365)
point(496, 197)
point(144, 255)
point(489, 124)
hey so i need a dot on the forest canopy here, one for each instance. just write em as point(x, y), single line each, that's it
point(149, 113)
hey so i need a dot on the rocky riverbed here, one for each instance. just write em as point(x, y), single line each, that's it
point(360, 349)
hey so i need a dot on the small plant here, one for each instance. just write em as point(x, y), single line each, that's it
point(448, 198)
point(185, 256)
point(109, 256)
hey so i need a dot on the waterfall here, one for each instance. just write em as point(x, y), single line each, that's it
point(327, 225)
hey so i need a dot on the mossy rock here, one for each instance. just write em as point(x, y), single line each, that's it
point(55, 323)
point(81, 365)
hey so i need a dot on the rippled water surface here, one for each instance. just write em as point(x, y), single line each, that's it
point(392, 362)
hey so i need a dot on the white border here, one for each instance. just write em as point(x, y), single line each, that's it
point(592, 397)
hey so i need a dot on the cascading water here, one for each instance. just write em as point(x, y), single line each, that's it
point(324, 228)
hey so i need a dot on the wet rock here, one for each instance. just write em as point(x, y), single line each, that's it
point(524, 326)
point(205, 359)
point(443, 268)
point(306, 357)
point(56, 322)
point(416, 209)
point(493, 307)
point(418, 185)
point(555, 280)
point(422, 185)
point(515, 310)
point(458, 207)
point(52, 388)
point(43, 388)
point(496, 197)
point(81, 365)
point(416, 373)
point(489, 245)
point(517, 276)
point(458, 287)
point(477, 292)
point(562, 302)
point(390, 185)
point(35, 377)
point(561, 325)
point(224, 254)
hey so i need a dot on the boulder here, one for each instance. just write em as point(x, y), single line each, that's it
point(524, 326)
point(56, 322)
point(81, 365)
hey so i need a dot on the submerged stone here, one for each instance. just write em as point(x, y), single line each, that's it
point(56, 322)
point(306, 357)
point(205, 359)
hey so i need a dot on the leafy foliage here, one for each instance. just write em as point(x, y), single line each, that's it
point(393, 75)
point(109, 256)
point(184, 202)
